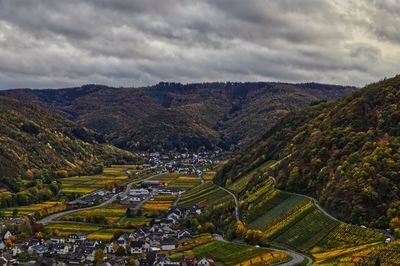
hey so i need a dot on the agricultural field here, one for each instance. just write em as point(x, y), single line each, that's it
point(209, 176)
point(294, 220)
point(87, 184)
point(157, 205)
point(203, 194)
point(277, 205)
point(367, 254)
point(108, 215)
point(67, 228)
point(184, 182)
point(237, 254)
point(41, 209)
point(166, 178)
point(134, 221)
point(240, 184)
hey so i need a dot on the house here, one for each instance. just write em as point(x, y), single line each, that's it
point(76, 258)
point(166, 262)
point(61, 249)
point(76, 236)
point(189, 260)
point(206, 262)
point(78, 203)
point(38, 250)
point(7, 235)
point(168, 244)
point(139, 247)
point(7, 259)
point(184, 234)
point(89, 252)
point(57, 239)
point(2, 245)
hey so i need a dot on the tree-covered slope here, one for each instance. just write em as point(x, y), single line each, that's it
point(35, 144)
point(176, 116)
point(346, 154)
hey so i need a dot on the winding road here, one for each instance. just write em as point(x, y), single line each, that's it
point(55, 216)
point(237, 215)
point(296, 257)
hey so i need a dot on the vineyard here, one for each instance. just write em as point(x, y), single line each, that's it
point(39, 209)
point(203, 194)
point(87, 184)
point(66, 228)
point(237, 254)
point(184, 182)
point(294, 220)
point(241, 183)
point(107, 216)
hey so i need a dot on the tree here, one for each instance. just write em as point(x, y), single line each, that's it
point(98, 256)
point(128, 213)
point(120, 252)
point(15, 212)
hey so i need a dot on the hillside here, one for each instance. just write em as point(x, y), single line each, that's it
point(175, 116)
point(345, 154)
point(35, 144)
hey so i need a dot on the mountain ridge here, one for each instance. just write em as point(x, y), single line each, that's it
point(174, 116)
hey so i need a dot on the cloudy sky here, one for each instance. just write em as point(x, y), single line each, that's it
point(61, 43)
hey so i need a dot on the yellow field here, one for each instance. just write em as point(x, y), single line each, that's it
point(157, 205)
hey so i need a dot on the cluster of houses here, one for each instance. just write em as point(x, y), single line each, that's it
point(93, 198)
point(148, 245)
point(184, 163)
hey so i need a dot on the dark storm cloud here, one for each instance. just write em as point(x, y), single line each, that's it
point(48, 43)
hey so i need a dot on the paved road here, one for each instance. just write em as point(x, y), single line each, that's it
point(236, 202)
point(313, 200)
point(296, 257)
point(55, 216)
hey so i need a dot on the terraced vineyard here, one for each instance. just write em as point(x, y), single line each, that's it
point(237, 254)
point(295, 221)
point(240, 184)
point(178, 181)
point(206, 193)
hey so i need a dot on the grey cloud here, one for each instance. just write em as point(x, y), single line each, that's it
point(56, 43)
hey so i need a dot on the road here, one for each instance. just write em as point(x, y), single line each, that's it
point(296, 257)
point(55, 216)
point(313, 200)
point(237, 215)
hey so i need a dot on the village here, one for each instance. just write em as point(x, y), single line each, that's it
point(144, 245)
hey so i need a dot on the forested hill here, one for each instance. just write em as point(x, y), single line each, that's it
point(35, 144)
point(346, 154)
point(171, 116)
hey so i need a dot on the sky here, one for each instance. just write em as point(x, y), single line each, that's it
point(59, 43)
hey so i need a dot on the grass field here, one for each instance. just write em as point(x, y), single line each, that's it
point(236, 254)
point(204, 194)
